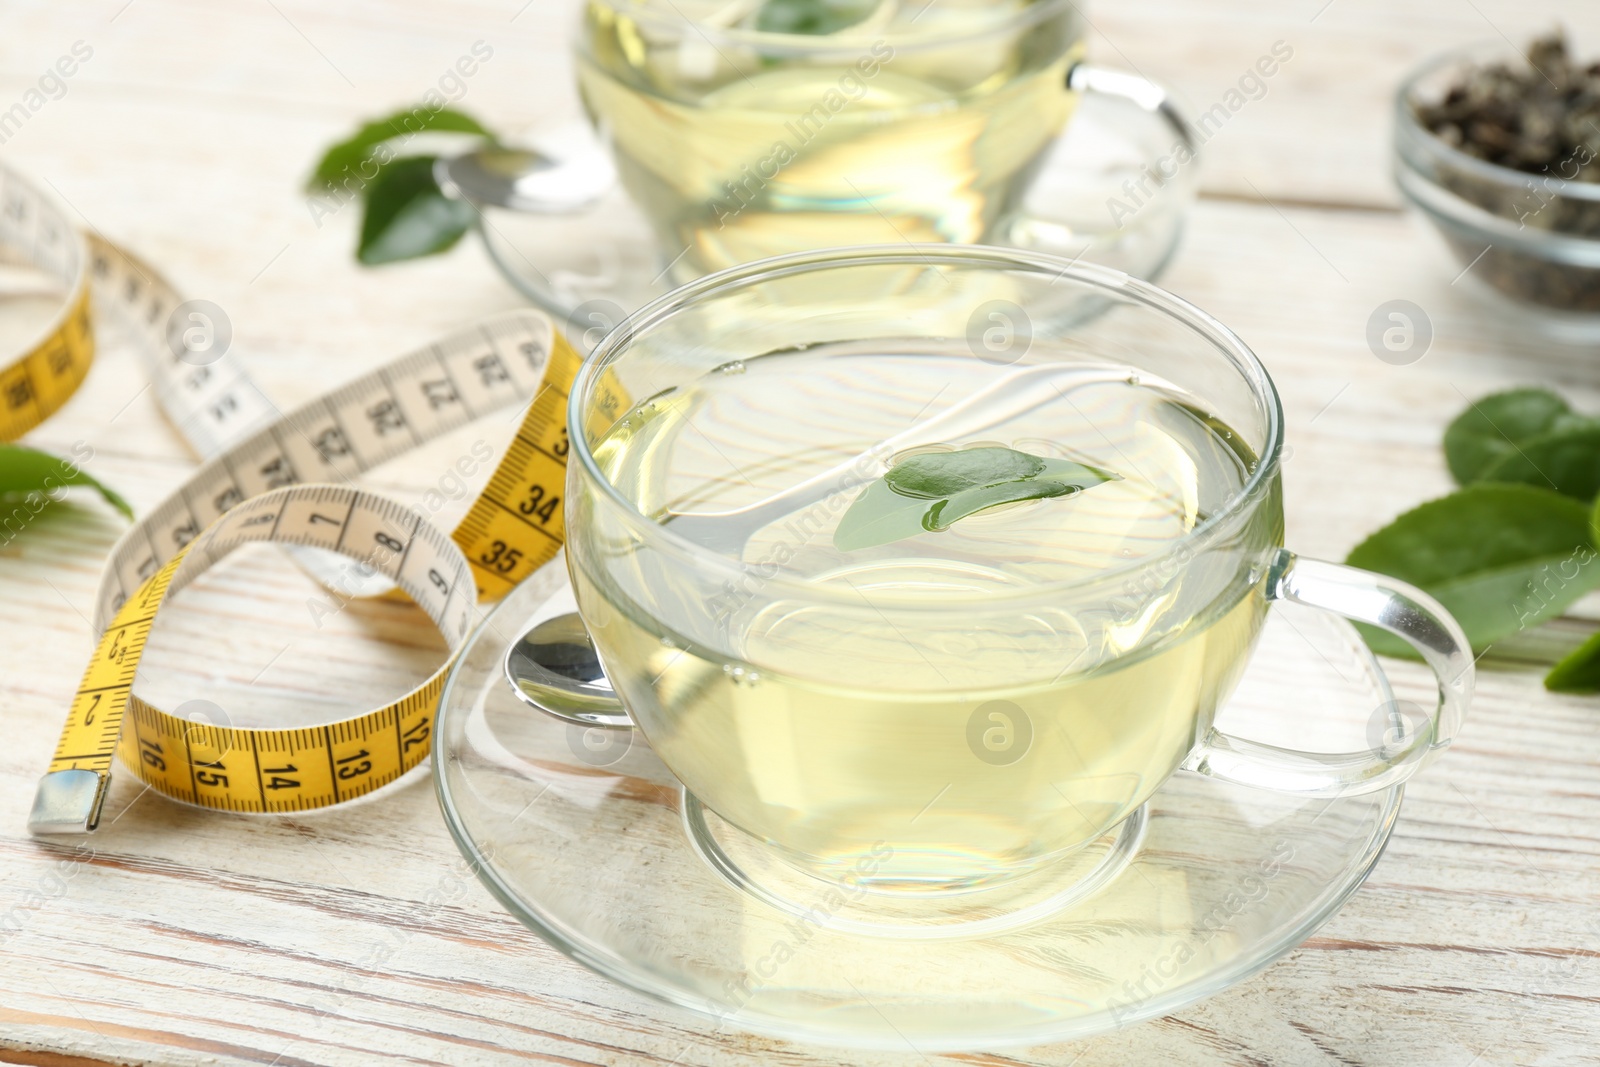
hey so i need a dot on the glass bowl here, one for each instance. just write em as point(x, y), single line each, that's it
point(1533, 238)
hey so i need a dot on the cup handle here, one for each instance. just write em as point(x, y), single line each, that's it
point(1146, 94)
point(1402, 610)
point(1123, 208)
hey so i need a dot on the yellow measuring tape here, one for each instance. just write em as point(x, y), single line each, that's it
point(265, 482)
point(263, 770)
point(50, 369)
point(33, 387)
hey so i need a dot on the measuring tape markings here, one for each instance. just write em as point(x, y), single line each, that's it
point(51, 368)
point(361, 425)
point(209, 402)
point(253, 770)
point(263, 459)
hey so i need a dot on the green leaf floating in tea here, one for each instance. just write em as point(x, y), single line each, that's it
point(933, 491)
point(813, 17)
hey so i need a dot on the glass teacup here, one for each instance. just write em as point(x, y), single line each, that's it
point(742, 139)
point(742, 129)
point(974, 686)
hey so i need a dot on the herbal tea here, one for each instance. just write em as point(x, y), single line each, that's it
point(870, 134)
point(865, 683)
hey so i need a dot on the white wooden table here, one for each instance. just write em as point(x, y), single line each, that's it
point(194, 938)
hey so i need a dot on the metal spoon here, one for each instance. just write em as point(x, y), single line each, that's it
point(554, 668)
point(527, 179)
point(1006, 398)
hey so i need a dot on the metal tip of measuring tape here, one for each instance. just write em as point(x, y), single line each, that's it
point(68, 802)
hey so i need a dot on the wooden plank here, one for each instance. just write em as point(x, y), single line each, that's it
point(47, 1059)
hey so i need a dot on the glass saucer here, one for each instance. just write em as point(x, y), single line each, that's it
point(589, 840)
point(1098, 197)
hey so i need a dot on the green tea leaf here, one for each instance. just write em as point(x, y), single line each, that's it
point(813, 17)
point(879, 516)
point(1566, 459)
point(938, 474)
point(1496, 425)
point(26, 470)
point(407, 216)
point(932, 491)
point(945, 513)
point(345, 160)
point(1594, 522)
point(1499, 557)
point(1578, 671)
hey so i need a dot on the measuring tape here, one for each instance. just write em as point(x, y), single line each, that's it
point(210, 402)
point(259, 770)
point(263, 484)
